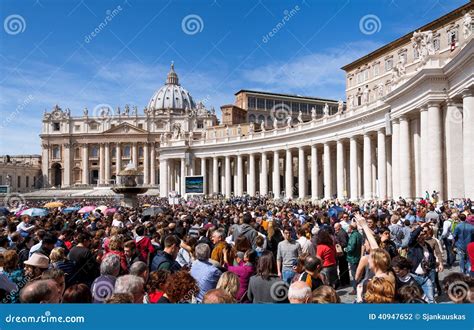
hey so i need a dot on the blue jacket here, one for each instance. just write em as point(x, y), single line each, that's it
point(462, 235)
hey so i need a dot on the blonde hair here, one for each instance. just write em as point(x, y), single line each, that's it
point(325, 295)
point(230, 283)
point(380, 259)
point(379, 291)
point(57, 254)
point(116, 243)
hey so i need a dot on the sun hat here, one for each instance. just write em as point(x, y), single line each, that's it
point(38, 260)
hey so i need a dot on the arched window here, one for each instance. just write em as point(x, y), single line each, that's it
point(56, 152)
point(252, 118)
point(261, 119)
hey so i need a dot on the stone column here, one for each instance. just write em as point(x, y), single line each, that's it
point(424, 150)
point(405, 159)
point(368, 194)
point(251, 186)
point(204, 174)
point(215, 175)
point(135, 154)
point(276, 174)
point(435, 150)
point(67, 164)
point(152, 164)
point(101, 164)
point(340, 169)
point(416, 173)
point(302, 180)
point(388, 148)
point(468, 144)
point(240, 176)
point(395, 159)
point(163, 177)
point(146, 164)
point(454, 151)
point(353, 168)
point(264, 175)
point(182, 177)
point(381, 164)
point(289, 174)
point(44, 165)
point(107, 163)
point(314, 173)
point(327, 171)
point(118, 161)
point(228, 177)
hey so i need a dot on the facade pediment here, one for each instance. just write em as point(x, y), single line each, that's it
point(125, 128)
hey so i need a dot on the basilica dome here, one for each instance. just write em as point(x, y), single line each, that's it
point(171, 95)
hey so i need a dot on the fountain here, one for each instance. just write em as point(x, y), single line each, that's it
point(128, 187)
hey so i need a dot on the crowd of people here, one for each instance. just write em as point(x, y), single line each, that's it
point(239, 250)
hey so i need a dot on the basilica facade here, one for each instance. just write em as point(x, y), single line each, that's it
point(406, 127)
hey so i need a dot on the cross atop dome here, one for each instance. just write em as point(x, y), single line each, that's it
point(172, 78)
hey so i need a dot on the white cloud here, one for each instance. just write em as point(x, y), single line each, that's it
point(316, 74)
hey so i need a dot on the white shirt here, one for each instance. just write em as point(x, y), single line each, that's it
point(117, 223)
point(447, 229)
point(24, 227)
point(306, 246)
point(35, 248)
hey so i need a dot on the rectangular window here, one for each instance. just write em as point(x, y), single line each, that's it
point(200, 124)
point(295, 107)
point(56, 152)
point(27, 181)
point(270, 104)
point(304, 107)
point(126, 151)
point(19, 182)
point(388, 64)
point(56, 127)
point(252, 103)
point(376, 70)
point(366, 74)
point(261, 104)
point(140, 126)
point(436, 44)
point(77, 128)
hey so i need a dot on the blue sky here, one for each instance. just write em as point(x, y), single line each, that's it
point(50, 56)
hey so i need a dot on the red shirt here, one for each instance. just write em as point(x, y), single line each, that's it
point(470, 254)
point(327, 254)
point(155, 296)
